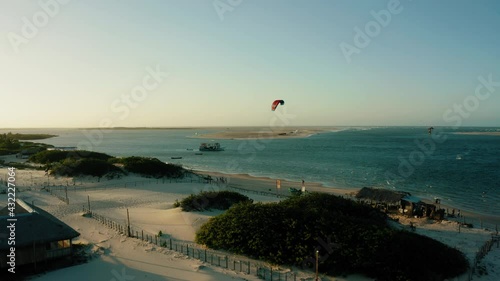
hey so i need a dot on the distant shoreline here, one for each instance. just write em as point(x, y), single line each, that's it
point(479, 133)
point(266, 133)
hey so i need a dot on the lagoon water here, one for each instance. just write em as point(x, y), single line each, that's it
point(462, 170)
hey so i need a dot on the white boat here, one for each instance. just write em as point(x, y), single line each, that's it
point(215, 146)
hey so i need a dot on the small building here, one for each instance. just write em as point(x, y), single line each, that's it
point(38, 236)
point(413, 206)
point(404, 202)
point(388, 199)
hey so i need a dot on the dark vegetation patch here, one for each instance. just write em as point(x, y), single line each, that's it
point(221, 200)
point(351, 238)
point(150, 167)
point(11, 144)
point(82, 162)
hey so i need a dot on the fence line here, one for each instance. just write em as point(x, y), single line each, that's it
point(74, 188)
point(212, 257)
point(221, 260)
point(483, 251)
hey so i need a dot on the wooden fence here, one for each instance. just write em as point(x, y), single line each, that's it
point(195, 251)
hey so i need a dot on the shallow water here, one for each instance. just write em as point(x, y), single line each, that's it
point(462, 170)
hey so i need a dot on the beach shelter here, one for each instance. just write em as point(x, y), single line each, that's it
point(39, 236)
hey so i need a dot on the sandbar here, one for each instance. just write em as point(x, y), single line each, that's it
point(267, 133)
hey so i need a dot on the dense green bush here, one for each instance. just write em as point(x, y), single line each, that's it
point(221, 200)
point(9, 142)
point(73, 163)
point(350, 237)
point(93, 167)
point(150, 167)
point(51, 156)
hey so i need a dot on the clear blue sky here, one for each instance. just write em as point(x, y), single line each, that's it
point(226, 67)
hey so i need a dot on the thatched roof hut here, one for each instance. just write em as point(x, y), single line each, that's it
point(381, 195)
point(39, 236)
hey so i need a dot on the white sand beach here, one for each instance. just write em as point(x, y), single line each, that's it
point(150, 205)
point(266, 133)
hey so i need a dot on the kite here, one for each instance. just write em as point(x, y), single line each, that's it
point(276, 103)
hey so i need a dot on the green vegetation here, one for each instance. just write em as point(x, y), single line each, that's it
point(150, 167)
point(221, 200)
point(51, 156)
point(86, 166)
point(351, 238)
point(30, 136)
point(82, 162)
point(10, 144)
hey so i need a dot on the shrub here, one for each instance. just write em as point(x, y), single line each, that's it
point(52, 156)
point(221, 200)
point(151, 167)
point(177, 203)
point(351, 237)
point(93, 167)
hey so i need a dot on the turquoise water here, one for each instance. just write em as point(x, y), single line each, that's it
point(462, 170)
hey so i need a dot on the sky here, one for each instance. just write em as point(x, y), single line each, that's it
point(191, 63)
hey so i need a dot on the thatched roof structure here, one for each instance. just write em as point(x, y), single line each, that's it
point(381, 195)
point(33, 225)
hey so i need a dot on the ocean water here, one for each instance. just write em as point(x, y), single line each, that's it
point(462, 170)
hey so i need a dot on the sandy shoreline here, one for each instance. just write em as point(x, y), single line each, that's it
point(265, 133)
point(265, 184)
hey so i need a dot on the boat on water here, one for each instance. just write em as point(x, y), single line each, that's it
point(215, 146)
point(176, 157)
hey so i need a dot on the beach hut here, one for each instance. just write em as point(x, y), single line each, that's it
point(414, 206)
point(388, 199)
point(38, 236)
point(411, 206)
point(401, 201)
